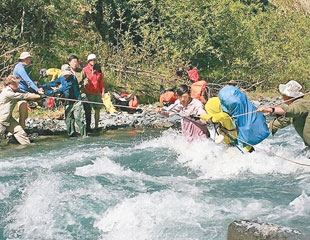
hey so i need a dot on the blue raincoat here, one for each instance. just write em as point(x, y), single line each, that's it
point(252, 127)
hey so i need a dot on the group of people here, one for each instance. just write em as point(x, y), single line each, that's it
point(235, 118)
point(72, 84)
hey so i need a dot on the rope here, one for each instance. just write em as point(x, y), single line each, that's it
point(273, 154)
point(276, 105)
point(85, 101)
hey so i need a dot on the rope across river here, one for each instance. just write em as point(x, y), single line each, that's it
point(236, 138)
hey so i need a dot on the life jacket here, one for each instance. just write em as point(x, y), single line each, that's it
point(198, 90)
point(193, 75)
point(227, 128)
point(54, 73)
point(168, 96)
point(133, 103)
point(252, 127)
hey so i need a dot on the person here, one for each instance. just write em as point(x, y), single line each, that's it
point(74, 64)
point(296, 111)
point(252, 127)
point(94, 89)
point(8, 98)
point(74, 112)
point(168, 97)
point(222, 121)
point(51, 73)
point(186, 106)
point(26, 84)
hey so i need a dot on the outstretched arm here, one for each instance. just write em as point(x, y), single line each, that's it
point(274, 110)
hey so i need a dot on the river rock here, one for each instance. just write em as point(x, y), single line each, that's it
point(253, 230)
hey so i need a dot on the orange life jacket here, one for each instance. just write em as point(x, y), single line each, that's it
point(198, 90)
point(133, 103)
point(168, 96)
point(193, 75)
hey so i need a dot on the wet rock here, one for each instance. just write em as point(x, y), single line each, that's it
point(146, 118)
point(253, 230)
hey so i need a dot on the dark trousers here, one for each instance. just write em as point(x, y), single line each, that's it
point(87, 110)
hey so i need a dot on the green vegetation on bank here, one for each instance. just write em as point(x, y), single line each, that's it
point(141, 42)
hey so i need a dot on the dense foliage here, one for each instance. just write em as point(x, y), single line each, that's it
point(141, 42)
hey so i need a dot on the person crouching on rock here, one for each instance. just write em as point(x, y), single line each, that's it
point(74, 112)
point(8, 99)
point(186, 107)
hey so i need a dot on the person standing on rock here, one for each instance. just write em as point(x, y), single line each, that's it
point(94, 89)
point(8, 99)
point(296, 112)
point(185, 107)
point(74, 112)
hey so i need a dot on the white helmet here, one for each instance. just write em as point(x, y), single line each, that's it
point(91, 57)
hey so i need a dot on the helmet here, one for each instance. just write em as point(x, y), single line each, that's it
point(91, 57)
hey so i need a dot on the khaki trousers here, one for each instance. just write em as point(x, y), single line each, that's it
point(16, 130)
point(23, 112)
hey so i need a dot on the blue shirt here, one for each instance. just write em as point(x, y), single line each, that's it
point(26, 84)
point(69, 87)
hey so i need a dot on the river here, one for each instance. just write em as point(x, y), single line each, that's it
point(149, 184)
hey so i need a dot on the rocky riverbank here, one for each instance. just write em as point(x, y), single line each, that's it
point(147, 118)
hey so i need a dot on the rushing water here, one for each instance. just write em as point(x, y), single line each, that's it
point(132, 184)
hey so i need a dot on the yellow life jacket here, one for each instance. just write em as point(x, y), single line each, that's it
point(213, 108)
point(54, 73)
point(108, 103)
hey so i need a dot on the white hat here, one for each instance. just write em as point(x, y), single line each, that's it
point(291, 89)
point(65, 70)
point(24, 55)
point(91, 57)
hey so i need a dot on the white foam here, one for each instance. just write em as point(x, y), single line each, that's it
point(148, 216)
point(218, 161)
point(104, 165)
point(5, 190)
point(52, 159)
point(34, 216)
point(301, 205)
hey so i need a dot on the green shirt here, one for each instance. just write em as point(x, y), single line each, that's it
point(297, 113)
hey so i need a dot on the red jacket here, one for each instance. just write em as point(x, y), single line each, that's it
point(95, 80)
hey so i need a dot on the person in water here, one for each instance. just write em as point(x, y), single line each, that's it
point(221, 120)
point(8, 99)
point(186, 106)
point(296, 111)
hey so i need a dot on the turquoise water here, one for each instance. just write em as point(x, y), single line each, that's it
point(132, 184)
